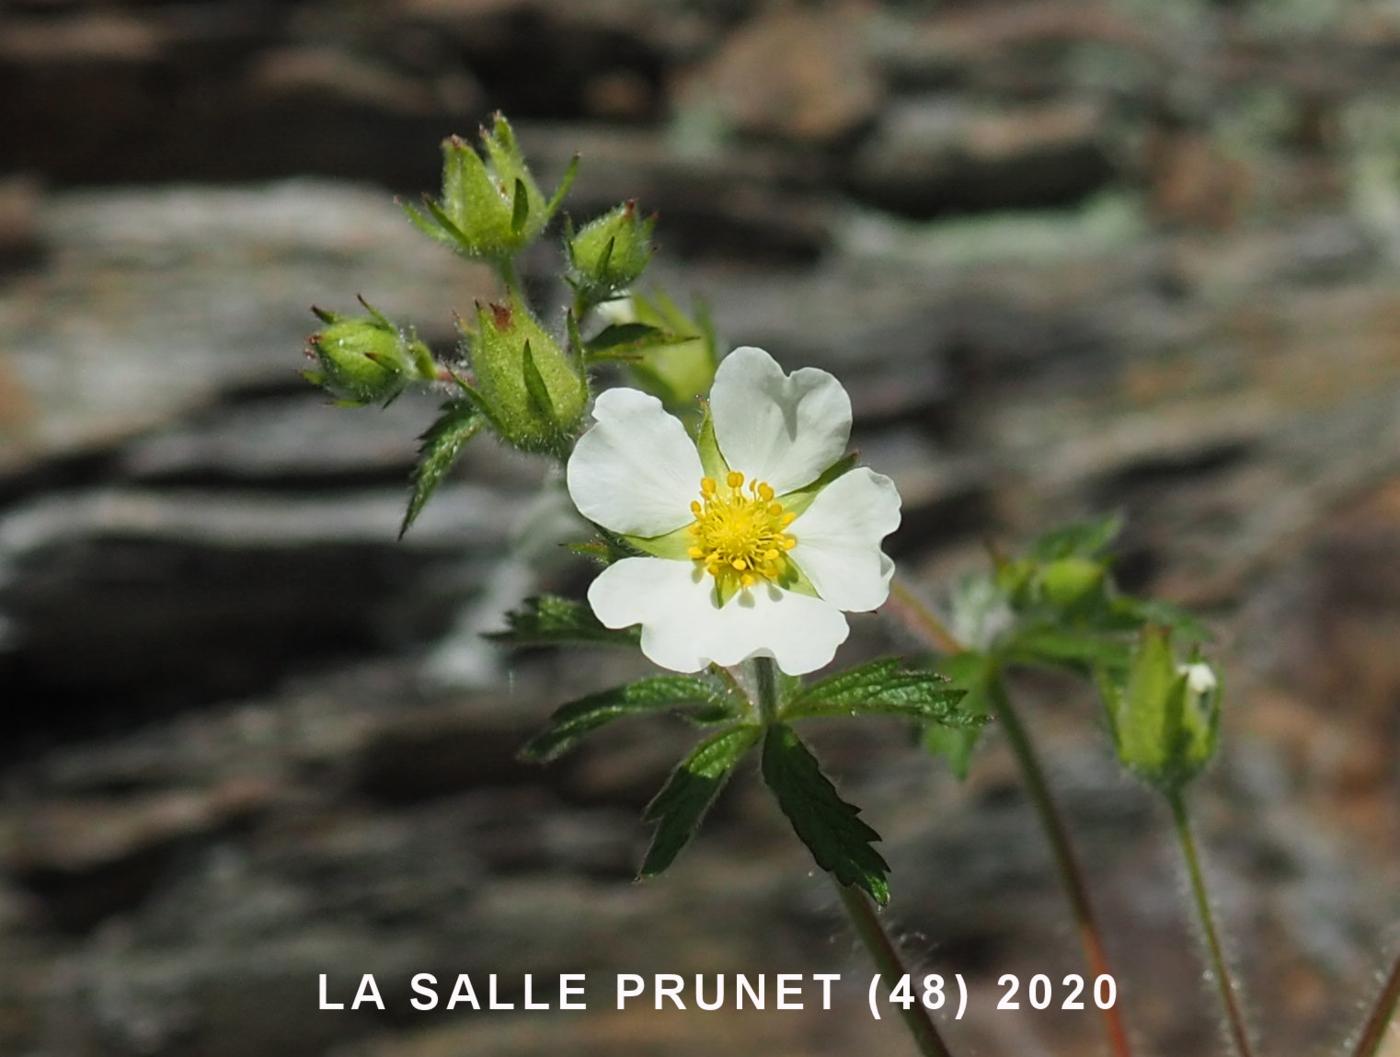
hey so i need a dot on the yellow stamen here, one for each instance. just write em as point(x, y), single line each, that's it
point(737, 535)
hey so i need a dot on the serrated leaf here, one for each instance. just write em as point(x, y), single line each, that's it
point(681, 805)
point(972, 673)
point(884, 687)
point(839, 841)
point(700, 698)
point(549, 620)
point(457, 422)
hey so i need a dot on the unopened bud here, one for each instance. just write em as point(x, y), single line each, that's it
point(533, 392)
point(1166, 716)
point(491, 208)
point(610, 253)
point(366, 359)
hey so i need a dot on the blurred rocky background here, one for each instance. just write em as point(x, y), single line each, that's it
point(1070, 256)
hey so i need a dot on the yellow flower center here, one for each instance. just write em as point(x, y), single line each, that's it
point(738, 531)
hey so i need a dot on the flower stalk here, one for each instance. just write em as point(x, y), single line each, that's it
point(882, 950)
point(1229, 999)
point(1373, 1034)
point(922, 622)
point(864, 920)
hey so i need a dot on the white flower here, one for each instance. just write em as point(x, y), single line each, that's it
point(1200, 677)
point(749, 559)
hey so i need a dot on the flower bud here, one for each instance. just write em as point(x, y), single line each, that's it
point(366, 359)
point(610, 253)
point(1069, 581)
point(1166, 716)
point(491, 208)
point(533, 392)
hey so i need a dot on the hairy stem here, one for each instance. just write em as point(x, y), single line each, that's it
point(862, 915)
point(510, 278)
point(766, 682)
point(882, 950)
point(921, 621)
point(1373, 1034)
point(1228, 997)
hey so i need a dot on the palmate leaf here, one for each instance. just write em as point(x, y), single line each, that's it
point(831, 828)
point(458, 422)
point(884, 687)
point(549, 620)
point(681, 805)
point(698, 697)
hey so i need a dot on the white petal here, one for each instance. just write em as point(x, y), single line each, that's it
point(683, 629)
point(838, 539)
point(783, 429)
point(636, 470)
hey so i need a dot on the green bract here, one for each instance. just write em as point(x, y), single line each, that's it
point(366, 359)
point(491, 208)
point(531, 391)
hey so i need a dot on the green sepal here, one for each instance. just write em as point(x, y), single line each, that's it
point(535, 388)
point(798, 500)
point(549, 620)
point(681, 805)
point(840, 842)
point(675, 544)
point(884, 687)
point(698, 697)
point(440, 444)
point(711, 458)
point(520, 207)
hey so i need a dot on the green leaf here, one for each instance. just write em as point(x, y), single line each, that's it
point(550, 620)
point(681, 805)
point(831, 828)
point(1078, 650)
point(1083, 539)
point(441, 444)
point(884, 687)
point(620, 341)
point(699, 697)
point(972, 673)
point(1140, 611)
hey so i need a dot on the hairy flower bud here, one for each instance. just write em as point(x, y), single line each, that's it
point(366, 359)
point(610, 253)
point(1166, 716)
point(491, 208)
point(533, 392)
